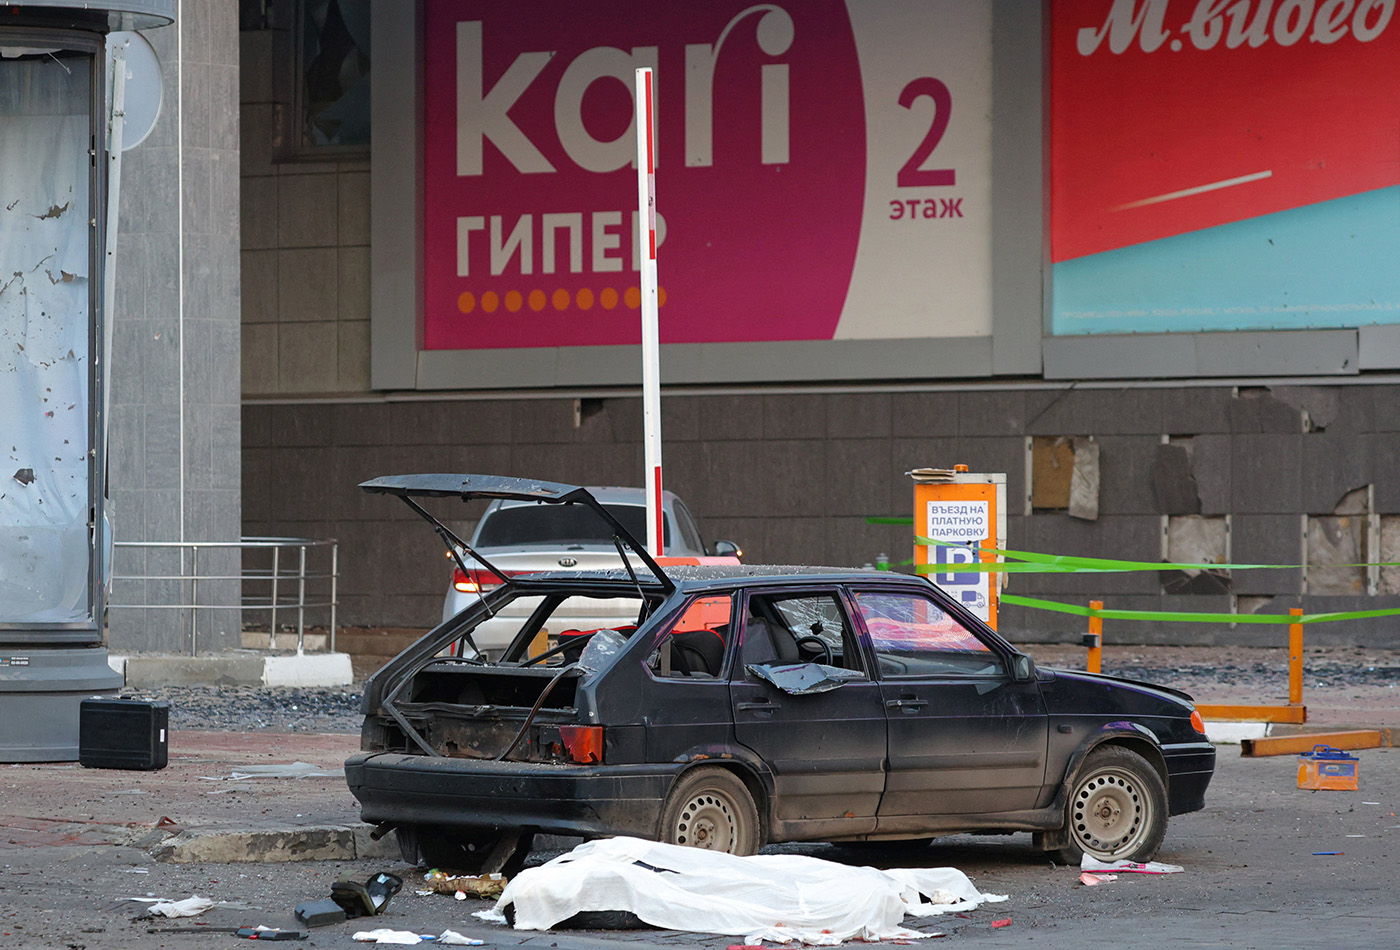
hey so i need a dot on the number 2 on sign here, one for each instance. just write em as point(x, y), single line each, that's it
point(911, 175)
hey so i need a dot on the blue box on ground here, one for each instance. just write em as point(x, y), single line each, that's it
point(123, 734)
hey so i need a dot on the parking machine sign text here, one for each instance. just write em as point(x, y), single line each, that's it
point(961, 522)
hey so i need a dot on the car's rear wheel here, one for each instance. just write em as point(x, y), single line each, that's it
point(710, 808)
point(1117, 808)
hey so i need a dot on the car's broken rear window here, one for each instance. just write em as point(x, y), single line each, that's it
point(515, 525)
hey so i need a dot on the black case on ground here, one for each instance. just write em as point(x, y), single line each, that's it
point(123, 734)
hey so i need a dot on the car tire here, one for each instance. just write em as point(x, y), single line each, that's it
point(1117, 808)
point(711, 808)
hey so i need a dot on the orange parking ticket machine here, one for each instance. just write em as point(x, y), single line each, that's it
point(966, 509)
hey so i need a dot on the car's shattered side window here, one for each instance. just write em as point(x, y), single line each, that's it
point(696, 644)
point(802, 628)
point(912, 636)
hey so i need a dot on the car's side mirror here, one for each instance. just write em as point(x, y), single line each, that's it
point(726, 549)
point(1022, 668)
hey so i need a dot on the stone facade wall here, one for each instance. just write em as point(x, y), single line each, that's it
point(793, 477)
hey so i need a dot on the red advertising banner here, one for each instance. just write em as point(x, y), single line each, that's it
point(542, 172)
point(1170, 116)
point(823, 170)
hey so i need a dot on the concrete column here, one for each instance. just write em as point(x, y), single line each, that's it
point(175, 417)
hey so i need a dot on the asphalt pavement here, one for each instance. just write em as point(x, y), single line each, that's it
point(75, 843)
point(260, 820)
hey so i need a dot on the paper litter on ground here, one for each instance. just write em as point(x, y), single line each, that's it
point(409, 938)
point(780, 897)
point(162, 907)
point(385, 935)
point(1087, 863)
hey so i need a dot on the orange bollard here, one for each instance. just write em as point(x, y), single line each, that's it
point(1295, 658)
point(1094, 639)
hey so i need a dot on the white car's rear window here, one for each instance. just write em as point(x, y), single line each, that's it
point(517, 525)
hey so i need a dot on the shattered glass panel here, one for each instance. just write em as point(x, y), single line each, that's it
point(335, 72)
point(913, 636)
point(44, 357)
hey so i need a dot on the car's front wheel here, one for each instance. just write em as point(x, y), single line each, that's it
point(1117, 808)
point(710, 808)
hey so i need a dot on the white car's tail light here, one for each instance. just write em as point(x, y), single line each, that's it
point(474, 582)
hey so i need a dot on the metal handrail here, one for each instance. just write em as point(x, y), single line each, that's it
point(247, 601)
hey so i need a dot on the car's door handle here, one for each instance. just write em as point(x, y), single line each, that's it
point(908, 703)
point(765, 706)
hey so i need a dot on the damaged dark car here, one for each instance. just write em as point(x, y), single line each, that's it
point(747, 705)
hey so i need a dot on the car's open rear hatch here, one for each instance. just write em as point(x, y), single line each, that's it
point(455, 706)
point(471, 487)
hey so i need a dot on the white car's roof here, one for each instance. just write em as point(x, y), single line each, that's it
point(606, 494)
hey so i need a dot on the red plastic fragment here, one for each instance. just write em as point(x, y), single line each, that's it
point(1002, 923)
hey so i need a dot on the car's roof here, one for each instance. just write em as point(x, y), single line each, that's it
point(689, 577)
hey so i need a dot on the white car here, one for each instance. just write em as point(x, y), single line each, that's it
point(526, 537)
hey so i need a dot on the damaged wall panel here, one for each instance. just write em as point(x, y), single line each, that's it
point(1193, 539)
point(1052, 467)
point(44, 326)
point(1254, 410)
point(1173, 484)
point(1337, 547)
point(1390, 554)
point(1065, 475)
point(1211, 467)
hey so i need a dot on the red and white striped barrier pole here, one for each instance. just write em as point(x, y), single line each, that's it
point(651, 358)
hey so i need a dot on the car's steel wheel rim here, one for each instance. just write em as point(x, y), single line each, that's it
point(1109, 814)
point(707, 821)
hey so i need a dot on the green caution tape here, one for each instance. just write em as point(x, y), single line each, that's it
point(1032, 562)
point(1181, 616)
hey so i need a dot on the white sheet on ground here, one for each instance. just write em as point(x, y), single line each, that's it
point(778, 897)
point(1086, 863)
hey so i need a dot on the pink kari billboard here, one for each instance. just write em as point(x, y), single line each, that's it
point(1224, 164)
point(823, 171)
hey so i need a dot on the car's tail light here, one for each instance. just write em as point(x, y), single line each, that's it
point(473, 581)
point(583, 743)
point(1197, 722)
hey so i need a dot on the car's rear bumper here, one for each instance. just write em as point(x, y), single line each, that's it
point(1190, 767)
point(556, 799)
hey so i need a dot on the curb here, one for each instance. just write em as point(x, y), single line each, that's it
point(315, 843)
point(238, 668)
